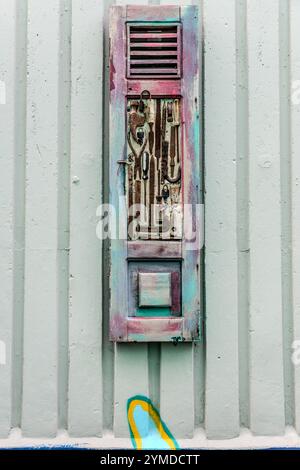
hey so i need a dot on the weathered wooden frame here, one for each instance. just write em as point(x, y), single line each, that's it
point(124, 327)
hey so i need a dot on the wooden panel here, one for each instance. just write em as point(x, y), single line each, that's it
point(295, 142)
point(85, 408)
point(156, 249)
point(126, 2)
point(154, 289)
point(179, 2)
point(131, 378)
point(157, 88)
point(154, 329)
point(222, 391)
point(191, 40)
point(177, 389)
point(266, 350)
point(7, 156)
point(153, 181)
point(39, 415)
point(136, 71)
point(118, 274)
point(154, 36)
point(150, 53)
point(152, 13)
point(157, 61)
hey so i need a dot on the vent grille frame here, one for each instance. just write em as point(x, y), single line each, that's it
point(162, 47)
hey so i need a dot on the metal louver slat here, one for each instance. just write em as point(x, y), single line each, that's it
point(153, 50)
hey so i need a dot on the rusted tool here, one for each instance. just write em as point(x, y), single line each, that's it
point(164, 160)
point(165, 192)
point(177, 124)
point(130, 192)
point(151, 191)
point(130, 145)
point(145, 165)
point(177, 144)
point(174, 180)
point(137, 200)
point(151, 138)
point(176, 113)
point(172, 150)
point(170, 111)
point(163, 122)
point(158, 197)
point(145, 183)
point(174, 194)
point(141, 106)
point(130, 188)
point(140, 135)
point(137, 155)
point(151, 118)
point(158, 130)
point(151, 112)
point(136, 119)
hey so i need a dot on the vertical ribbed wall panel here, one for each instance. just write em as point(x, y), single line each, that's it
point(61, 371)
point(7, 169)
point(85, 307)
point(40, 365)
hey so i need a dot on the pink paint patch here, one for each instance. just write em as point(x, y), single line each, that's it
point(154, 326)
point(118, 328)
point(156, 88)
point(112, 71)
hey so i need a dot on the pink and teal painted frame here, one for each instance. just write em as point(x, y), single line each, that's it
point(124, 326)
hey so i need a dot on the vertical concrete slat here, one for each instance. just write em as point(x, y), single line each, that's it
point(267, 415)
point(221, 264)
point(85, 302)
point(7, 158)
point(295, 162)
point(131, 378)
point(39, 410)
point(177, 389)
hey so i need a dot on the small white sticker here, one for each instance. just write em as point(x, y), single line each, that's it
point(2, 353)
point(2, 92)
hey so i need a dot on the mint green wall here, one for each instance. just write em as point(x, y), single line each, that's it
point(61, 371)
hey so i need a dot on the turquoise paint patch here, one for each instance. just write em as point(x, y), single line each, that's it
point(153, 312)
point(189, 292)
point(148, 431)
point(146, 427)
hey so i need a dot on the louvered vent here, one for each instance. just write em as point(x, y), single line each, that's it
point(154, 51)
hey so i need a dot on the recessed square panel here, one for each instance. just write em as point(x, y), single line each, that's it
point(154, 289)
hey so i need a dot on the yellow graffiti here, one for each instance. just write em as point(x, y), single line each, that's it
point(147, 406)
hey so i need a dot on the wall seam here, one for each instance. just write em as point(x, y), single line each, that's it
point(19, 209)
point(108, 351)
point(242, 207)
point(64, 142)
point(286, 236)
